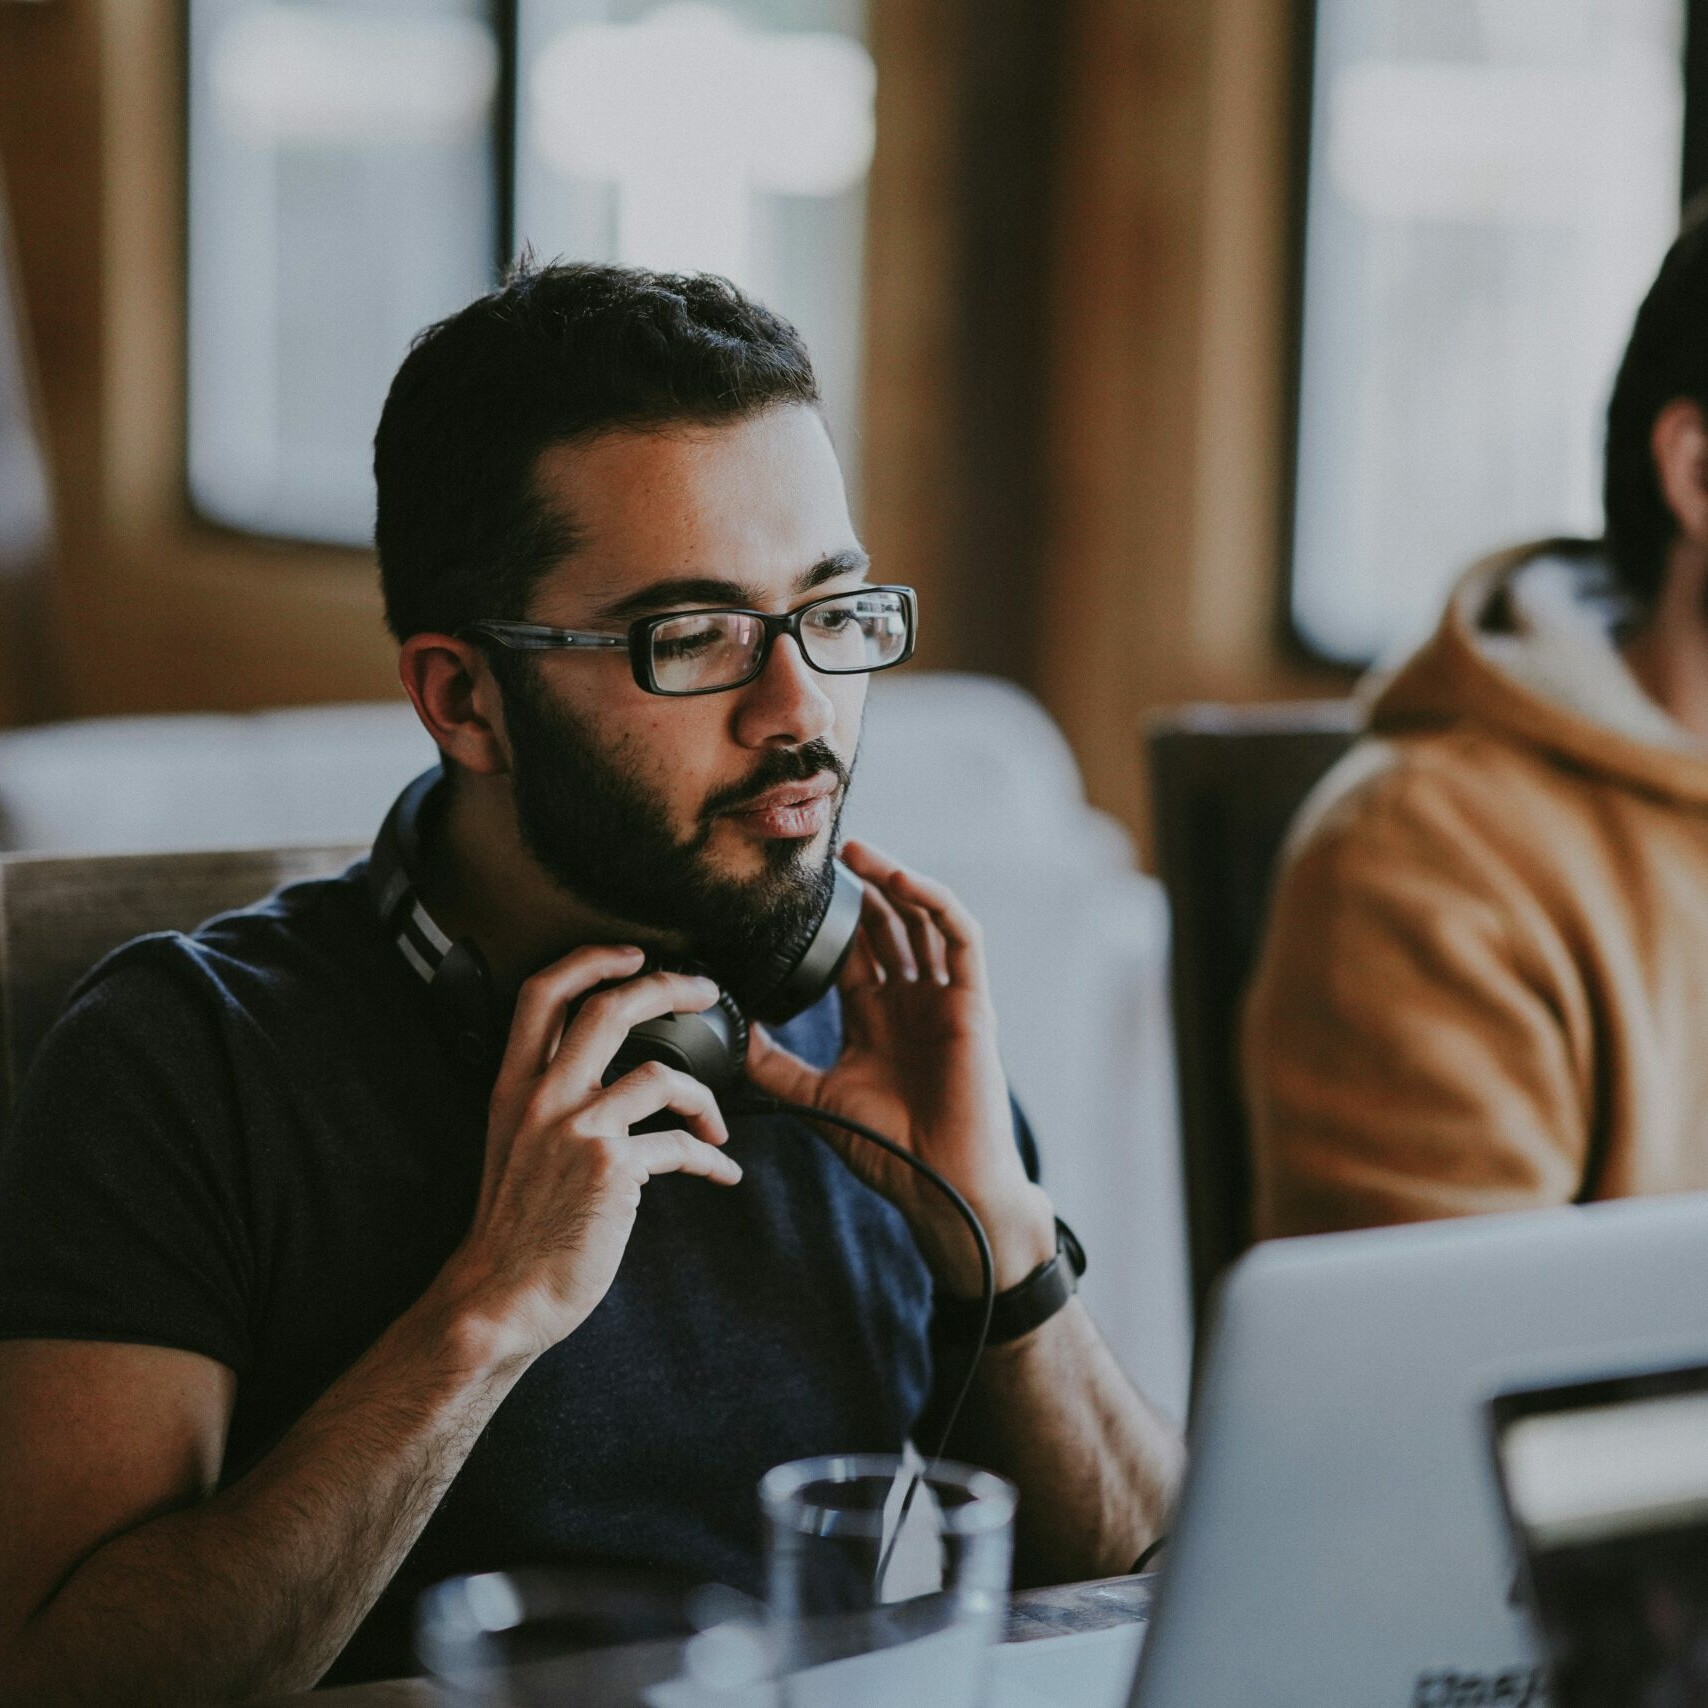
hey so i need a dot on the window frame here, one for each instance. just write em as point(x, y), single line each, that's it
point(504, 20)
point(502, 16)
point(1694, 181)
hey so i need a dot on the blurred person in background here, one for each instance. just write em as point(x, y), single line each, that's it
point(303, 1305)
point(1484, 984)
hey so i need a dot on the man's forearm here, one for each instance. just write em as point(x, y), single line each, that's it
point(1097, 1467)
point(256, 1590)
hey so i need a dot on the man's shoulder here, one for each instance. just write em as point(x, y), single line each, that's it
point(1441, 790)
point(305, 933)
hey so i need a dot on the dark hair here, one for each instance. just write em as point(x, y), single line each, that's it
point(559, 352)
point(1667, 359)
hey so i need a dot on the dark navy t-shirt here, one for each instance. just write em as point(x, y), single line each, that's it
point(251, 1143)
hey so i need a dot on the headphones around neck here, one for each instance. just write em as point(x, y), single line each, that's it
point(711, 1046)
point(475, 1018)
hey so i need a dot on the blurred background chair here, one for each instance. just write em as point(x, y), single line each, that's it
point(968, 778)
point(308, 774)
point(1226, 782)
point(59, 914)
point(964, 776)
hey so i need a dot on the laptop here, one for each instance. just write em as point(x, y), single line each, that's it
point(1340, 1542)
point(1606, 1487)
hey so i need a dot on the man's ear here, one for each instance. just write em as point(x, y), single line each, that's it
point(452, 688)
point(1679, 443)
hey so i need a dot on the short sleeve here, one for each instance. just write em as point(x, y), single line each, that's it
point(121, 1185)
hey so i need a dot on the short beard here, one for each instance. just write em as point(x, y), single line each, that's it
point(600, 835)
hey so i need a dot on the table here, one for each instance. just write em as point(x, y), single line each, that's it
point(614, 1678)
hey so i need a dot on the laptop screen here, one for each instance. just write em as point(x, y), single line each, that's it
point(1606, 1485)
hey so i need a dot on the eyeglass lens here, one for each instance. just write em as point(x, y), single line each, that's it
point(701, 650)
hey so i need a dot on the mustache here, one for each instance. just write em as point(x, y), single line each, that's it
point(781, 765)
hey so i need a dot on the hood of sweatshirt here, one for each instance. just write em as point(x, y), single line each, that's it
point(1527, 646)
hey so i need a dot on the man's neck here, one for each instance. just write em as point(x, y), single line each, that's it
point(1668, 655)
point(478, 880)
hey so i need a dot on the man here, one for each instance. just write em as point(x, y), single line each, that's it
point(304, 1311)
point(1485, 981)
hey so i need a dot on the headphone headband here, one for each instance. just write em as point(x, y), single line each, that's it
point(397, 851)
point(459, 982)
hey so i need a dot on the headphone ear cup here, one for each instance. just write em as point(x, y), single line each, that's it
point(710, 1046)
point(740, 1034)
point(806, 966)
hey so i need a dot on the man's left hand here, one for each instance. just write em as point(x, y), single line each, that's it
point(919, 1065)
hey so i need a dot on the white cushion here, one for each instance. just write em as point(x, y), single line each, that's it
point(265, 779)
point(970, 764)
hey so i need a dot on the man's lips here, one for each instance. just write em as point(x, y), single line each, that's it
point(789, 809)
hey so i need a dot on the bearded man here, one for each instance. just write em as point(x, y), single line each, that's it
point(307, 1300)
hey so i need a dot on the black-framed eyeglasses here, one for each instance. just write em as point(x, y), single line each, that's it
point(706, 652)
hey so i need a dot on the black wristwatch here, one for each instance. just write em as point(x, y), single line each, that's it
point(1021, 1308)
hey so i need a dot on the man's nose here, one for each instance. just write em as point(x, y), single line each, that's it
point(785, 704)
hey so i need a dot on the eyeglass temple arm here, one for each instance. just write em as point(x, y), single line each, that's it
point(536, 637)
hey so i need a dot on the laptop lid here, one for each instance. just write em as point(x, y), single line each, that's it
point(1340, 1537)
point(1606, 1487)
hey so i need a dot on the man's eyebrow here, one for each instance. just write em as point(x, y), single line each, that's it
point(678, 590)
point(715, 590)
point(832, 568)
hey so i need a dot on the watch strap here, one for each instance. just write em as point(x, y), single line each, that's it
point(1024, 1306)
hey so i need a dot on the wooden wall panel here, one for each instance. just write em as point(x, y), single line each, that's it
point(909, 454)
point(50, 106)
point(1076, 423)
point(151, 609)
point(1075, 350)
point(1171, 338)
point(1125, 407)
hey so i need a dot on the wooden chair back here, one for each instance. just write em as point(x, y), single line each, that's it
point(59, 914)
point(1226, 782)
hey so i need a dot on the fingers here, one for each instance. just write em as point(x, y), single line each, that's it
point(943, 938)
point(681, 1153)
point(605, 1019)
point(862, 970)
point(779, 1072)
point(962, 936)
point(928, 948)
point(653, 1087)
point(886, 936)
point(540, 1004)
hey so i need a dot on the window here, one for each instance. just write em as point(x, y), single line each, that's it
point(340, 198)
point(25, 509)
point(357, 166)
point(1491, 186)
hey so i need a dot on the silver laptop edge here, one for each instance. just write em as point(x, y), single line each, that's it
point(1339, 1543)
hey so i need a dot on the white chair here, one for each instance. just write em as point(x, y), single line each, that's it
point(964, 776)
point(320, 774)
point(967, 778)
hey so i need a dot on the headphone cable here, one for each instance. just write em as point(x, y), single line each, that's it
point(763, 1105)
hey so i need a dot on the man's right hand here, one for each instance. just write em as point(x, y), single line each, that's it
point(110, 1454)
point(563, 1173)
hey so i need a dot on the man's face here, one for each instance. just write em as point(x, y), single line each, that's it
point(713, 815)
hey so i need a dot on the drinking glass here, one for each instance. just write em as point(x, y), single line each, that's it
point(886, 1581)
point(536, 1639)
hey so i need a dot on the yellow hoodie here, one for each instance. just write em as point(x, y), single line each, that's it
point(1485, 980)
